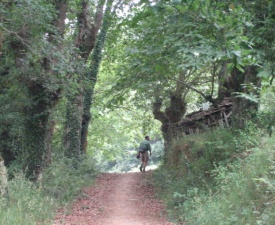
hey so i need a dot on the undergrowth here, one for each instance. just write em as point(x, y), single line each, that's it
point(28, 203)
point(220, 178)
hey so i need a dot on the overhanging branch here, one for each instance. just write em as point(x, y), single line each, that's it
point(193, 89)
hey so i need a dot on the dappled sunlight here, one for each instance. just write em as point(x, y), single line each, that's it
point(148, 168)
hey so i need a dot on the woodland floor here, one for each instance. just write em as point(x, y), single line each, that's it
point(117, 199)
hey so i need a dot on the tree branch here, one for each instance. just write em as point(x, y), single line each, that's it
point(158, 114)
point(193, 89)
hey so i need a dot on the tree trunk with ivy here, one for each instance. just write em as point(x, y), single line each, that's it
point(92, 76)
point(43, 97)
point(71, 139)
point(86, 39)
point(38, 129)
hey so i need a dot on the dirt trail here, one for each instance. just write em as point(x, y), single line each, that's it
point(117, 199)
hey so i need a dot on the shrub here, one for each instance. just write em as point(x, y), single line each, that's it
point(230, 181)
point(245, 193)
point(26, 204)
point(66, 177)
point(30, 203)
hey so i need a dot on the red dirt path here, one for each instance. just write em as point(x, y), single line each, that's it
point(117, 199)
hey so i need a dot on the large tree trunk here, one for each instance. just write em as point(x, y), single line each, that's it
point(86, 39)
point(6, 146)
point(92, 76)
point(172, 115)
point(38, 130)
point(38, 123)
point(234, 84)
point(244, 109)
point(72, 130)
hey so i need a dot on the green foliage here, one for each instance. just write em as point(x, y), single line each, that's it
point(64, 179)
point(26, 204)
point(199, 153)
point(147, 53)
point(11, 119)
point(245, 196)
point(193, 36)
point(117, 126)
point(36, 203)
point(266, 111)
point(220, 177)
point(92, 74)
point(27, 91)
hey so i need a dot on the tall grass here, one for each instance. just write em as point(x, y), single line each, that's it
point(231, 181)
point(66, 177)
point(26, 204)
point(30, 203)
point(245, 193)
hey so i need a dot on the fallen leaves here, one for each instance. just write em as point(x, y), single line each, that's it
point(118, 199)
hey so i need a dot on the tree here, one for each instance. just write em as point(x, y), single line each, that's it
point(29, 46)
point(79, 103)
point(162, 69)
point(85, 42)
point(40, 54)
point(183, 50)
point(92, 75)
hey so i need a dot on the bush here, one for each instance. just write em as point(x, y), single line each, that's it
point(245, 193)
point(66, 177)
point(30, 203)
point(26, 204)
point(230, 181)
